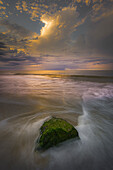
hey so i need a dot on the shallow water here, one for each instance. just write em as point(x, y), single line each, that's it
point(26, 101)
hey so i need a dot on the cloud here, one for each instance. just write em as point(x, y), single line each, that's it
point(24, 5)
point(1, 2)
point(14, 45)
point(16, 37)
point(18, 7)
point(2, 45)
point(35, 10)
point(16, 29)
point(95, 36)
point(55, 35)
point(66, 33)
point(2, 49)
point(72, 33)
point(98, 39)
point(102, 10)
point(20, 61)
point(3, 10)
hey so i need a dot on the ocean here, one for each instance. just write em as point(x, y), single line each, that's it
point(86, 101)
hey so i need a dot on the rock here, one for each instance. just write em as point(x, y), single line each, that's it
point(55, 131)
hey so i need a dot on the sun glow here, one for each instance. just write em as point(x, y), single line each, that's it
point(46, 27)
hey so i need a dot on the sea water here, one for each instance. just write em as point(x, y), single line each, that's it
point(26, 101)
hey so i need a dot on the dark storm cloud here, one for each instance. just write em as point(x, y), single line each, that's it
point(2, 48)
point(19, 57)
point(97, 38)
point(100, 36)
point(14, 39)
point(2, 45)
point(11, 40)
point(1, 52)
point(14, 42)
point(19, 60)
point(16, 29)
point(12, 58)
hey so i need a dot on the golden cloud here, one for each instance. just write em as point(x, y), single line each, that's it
point(36, 10)
point(1, 2)
point(101, 11)
point(87, 2)
point(3, 13)
point(24, 5)
point(55, 35)
point(18, 7)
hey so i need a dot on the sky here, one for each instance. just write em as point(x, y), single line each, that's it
point(56, 34)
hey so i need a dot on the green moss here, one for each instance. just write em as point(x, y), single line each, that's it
point(55, 131)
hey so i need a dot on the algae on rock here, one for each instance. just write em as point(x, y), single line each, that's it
point(55, 131)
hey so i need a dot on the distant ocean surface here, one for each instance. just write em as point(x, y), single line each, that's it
point(105, 73)
point(26, 101)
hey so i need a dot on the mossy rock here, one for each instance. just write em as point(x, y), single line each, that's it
point(53, 132)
